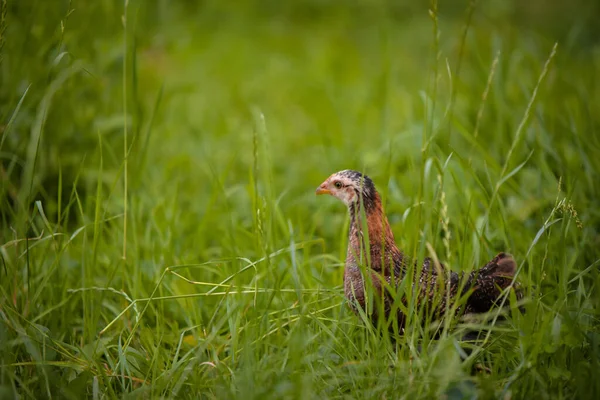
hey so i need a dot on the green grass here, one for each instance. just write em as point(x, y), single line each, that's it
point(159, 233)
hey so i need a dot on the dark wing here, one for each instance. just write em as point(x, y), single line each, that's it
point(489, 281)
point(434, 283)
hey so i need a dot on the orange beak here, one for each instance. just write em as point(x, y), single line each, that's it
point(323, 189)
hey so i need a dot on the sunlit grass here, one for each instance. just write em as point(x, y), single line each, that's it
point(159, 233)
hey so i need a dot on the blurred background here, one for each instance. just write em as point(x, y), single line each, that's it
point(337, 82)
point(139, 135)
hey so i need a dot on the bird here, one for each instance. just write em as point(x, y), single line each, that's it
point(373, 258)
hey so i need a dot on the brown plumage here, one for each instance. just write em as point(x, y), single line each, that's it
point(387, 266)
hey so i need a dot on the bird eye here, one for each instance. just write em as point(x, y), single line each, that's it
point(338, 184)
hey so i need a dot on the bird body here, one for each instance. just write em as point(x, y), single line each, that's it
point(373, 258)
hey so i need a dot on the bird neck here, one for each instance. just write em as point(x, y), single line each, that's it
point(381, 244)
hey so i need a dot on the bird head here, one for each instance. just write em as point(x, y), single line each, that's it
point(350, 187)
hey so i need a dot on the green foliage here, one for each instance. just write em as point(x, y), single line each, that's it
point(159, 233)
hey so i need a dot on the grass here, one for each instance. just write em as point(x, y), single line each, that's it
point(159, 233)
